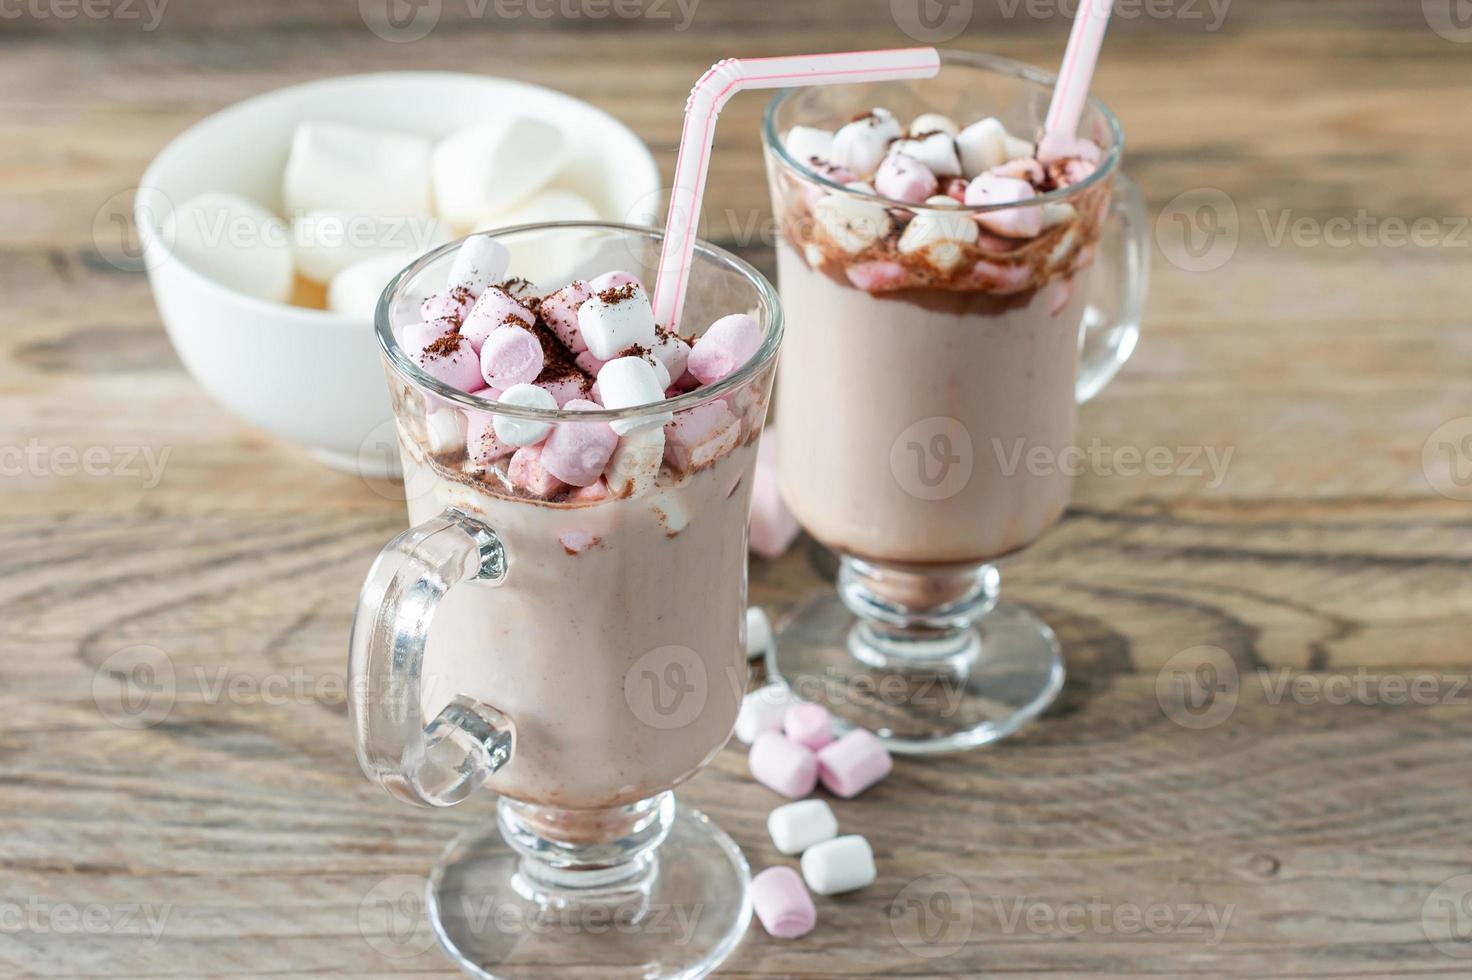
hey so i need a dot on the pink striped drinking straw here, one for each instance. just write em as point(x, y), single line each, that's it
point(710, 94)
point(1077, 71)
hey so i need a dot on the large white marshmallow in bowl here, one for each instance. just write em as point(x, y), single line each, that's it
point(233, 241)
point(484, 169)
point(315, 377)
point(339, 166)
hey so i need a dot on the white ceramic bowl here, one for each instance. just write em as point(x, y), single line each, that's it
point(309, 376)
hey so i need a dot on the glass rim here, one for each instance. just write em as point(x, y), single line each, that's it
point(969, 59)
point(415, 375)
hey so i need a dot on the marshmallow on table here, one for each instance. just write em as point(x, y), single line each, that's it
point(805, 143)
point(853, 763)
point(452, 360)
point(903, 178)
point(634, 466)
point(701, 435)
point(1023, 222)
point(782, 903)
point(454, 303)
point(724, 347)
point(627, 382)
point(782, 765)
point(983, 145)
point(233, 242)
point(325, 242)
point(483, 170)
point(577, 452)
point(616, 319)
point(528, 472)
point(860, 145)
point(933, 122)
point(494, 308)
point(842, 864)
point(524, 432)
point(511, 356)
point(355, 290)
point(771, 528)
point(480, 261)
point(560, 310)
point(936, 151)
point(758, 633)
point(795, 827)
point(809, 725)
point(762, 711)
point(852, 223)
point(940, 232)
point(542, 207)
point(358, 168)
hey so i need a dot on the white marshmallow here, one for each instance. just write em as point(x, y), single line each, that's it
point(940, 232)
point(625, 382)
point(355, 290)
point(933, 122)
point(762, 711)
point(1058, 212)
point(542, 207)
point(674, 353)
point(852, 223)
point(758, 633)
point(610, 327)
point(805, 142)
point(325, 243)
point(483, 170)
point(234, 242)
point(338, 166)
point(481, 261)
point(983, 145)
point(839, 865)
point(860, 145)
point(937, 151)
point(672, 512)
point(523, 432)
point(446, 430)
point(1017, 148)
point(634, 466)
point(798, 826)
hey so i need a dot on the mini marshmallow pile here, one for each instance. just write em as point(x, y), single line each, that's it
point(583, 347)
point(934, 166)
point(792, 751)
point(363, 202)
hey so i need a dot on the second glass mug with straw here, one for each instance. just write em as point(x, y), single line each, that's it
point(923, 432)
point(578, 658)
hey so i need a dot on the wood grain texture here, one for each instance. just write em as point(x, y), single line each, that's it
point(1298, 835)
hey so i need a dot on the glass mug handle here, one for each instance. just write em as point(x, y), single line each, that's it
point(443, 761)
point(1111, 325)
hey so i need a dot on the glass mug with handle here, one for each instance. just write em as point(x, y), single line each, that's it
point(927, 396)
point(579, 655)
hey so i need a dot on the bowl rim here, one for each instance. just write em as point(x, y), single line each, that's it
point(148, 194)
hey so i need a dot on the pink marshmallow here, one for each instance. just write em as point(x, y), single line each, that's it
point(575, 541)
point(527, 472)
point(782, 765)
point(591, 493)
point(482, 448)
point(565, 389)
point(1056, 146)
point(853, 763)
point(1059, 292)
point(809, 725)
point(701, 435)
point(589, 363)
point(577, 452)
point(454, 304)
point(414, 337)
point(612, 280)
point(560, 310)
point(782, 903)
point(772, 527)
point(1022, 168)
point(955, 188)
point(879, 276)
point(724, 347)
point(494, 308)
point(1070, 172)
point(511, 356)
point(452, 360)
point(1001, 279)
point(903, 178)
point(1023, 222)
point(829, 171)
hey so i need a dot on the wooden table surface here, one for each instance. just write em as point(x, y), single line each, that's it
point(1308, 817)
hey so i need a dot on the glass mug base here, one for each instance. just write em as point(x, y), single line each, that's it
point(970, 670)
point(505, 907)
